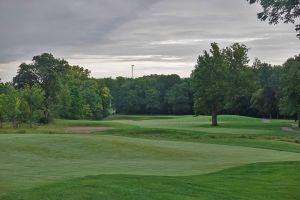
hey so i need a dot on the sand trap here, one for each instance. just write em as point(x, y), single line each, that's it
point(86, 129)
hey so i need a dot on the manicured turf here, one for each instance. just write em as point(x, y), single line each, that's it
point(132, 160)
point(267, 181)
point(228, 125)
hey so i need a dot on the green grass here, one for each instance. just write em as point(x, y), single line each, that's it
point(29, 160)
point(227, 125)
point(151, 157)
point(266, 181)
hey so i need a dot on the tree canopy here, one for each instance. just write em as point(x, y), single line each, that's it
point(50, 87)
point(290, 101)
point(220, 78)
point(275, 11)
point(221, 83)
point(154, 94)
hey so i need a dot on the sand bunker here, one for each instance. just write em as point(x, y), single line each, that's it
point(86, 129)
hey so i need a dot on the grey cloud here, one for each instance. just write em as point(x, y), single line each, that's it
point(107, 35)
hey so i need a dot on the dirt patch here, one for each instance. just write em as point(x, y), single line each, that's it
point(86, 129)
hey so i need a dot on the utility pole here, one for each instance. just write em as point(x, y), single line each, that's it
point(132, 68)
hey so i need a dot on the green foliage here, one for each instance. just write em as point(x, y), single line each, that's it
point(266, 97)
point(275, 11)
point(209, 81)
point(220, 77)
point(12, 104)
point(179, 98)
point(69, 91)
point(290, 102)
point(32, 100)
point(2, 109)
point(147, 95)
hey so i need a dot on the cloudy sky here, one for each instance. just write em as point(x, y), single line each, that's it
point(157, 36)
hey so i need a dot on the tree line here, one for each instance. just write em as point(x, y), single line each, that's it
point(51, 88)
point(222, 82)
point(154, 94)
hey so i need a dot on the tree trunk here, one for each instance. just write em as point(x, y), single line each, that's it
point(214, 118)
point(1, 123)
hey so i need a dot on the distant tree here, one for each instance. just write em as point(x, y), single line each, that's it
point(44, 72)
point(2, 108)
point(32, 99)
point(12, 104)
point(69, 90)
point(266, 98)
point(152, 101)
point(106, 101)
point(179, 99)
point(290, 101)
point(143, 95)
point(210, 82)
point(275, 11)
point(2, 103)
point(240, 79)
point(26, 76)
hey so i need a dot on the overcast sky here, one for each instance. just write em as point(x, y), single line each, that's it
point(157, 36)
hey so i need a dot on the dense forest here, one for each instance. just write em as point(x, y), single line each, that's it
point(51, 88)
point(154, 94)
point(222, 82)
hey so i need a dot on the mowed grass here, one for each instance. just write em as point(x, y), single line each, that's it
point(265, 181)
point(150, 157)
point(227, 124)
point(30, 160)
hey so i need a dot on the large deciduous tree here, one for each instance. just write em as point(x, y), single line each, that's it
point(221, 78)
point(210, 82)
point(275, 11)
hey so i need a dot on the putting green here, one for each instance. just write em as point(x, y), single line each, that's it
point(32, 159)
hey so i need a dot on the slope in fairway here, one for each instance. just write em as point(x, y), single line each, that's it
point(264, 181)
point(32, 159)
